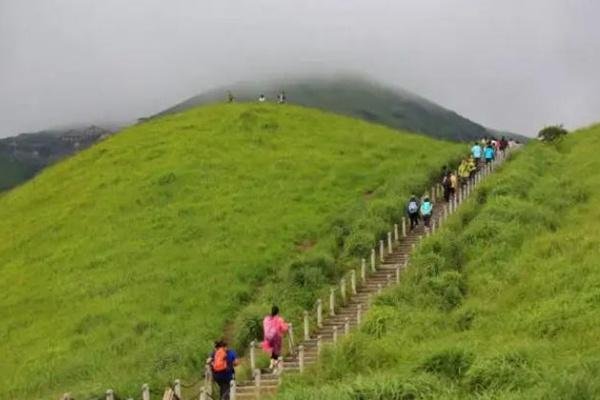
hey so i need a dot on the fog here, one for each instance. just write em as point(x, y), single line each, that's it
point(514, 65)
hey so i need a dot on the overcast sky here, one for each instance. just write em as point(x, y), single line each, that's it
point(508, 64)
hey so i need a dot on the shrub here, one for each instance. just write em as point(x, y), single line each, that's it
point(450, 288)
point(450, 363)
point(359, 244)
point(248, 326)
point(505, 372)
point(552, 133)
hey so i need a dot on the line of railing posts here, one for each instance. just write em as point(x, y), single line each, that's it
point(461, 194)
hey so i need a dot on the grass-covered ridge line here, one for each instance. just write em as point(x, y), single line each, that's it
point(502, 303)
point(120, 265)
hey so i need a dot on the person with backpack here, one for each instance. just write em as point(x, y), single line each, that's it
point(274, 327)
point(489, 153)
point(412, 209)
point(464, 171)
point(446, 184)
point(426, 211)
point(453, 179)
point(222, 364)
point(476, 152)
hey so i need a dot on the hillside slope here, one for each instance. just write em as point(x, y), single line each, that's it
point(359, 98)
point(120, 265)
point(503, 303)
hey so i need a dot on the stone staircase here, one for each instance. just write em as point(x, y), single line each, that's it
point(345, 318)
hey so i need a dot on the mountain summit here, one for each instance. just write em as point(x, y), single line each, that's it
point(356, 97)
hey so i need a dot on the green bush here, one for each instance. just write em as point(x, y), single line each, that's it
point(450, 363)
point(510, 371)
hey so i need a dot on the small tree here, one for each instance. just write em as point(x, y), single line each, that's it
point(552, 133)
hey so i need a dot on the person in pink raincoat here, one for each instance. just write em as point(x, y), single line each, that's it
point(274, 328)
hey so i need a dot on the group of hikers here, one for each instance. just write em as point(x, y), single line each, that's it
point(482, 152)
point(281, 97)
point(223, 360)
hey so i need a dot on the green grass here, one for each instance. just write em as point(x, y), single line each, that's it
point(503, 303)
point(120, 265)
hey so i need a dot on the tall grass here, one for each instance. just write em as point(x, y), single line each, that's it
point(502, 303)
point(120, 265)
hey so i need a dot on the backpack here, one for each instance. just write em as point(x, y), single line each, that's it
point(220, 362)
point(413, 207)
point(426, 209)
point(270, 328)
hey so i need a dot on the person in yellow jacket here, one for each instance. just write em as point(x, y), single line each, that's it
point(472, 166)
point(463, 171)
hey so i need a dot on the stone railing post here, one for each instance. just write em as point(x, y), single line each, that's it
point(389, 242)
point(343, 290)
point(363, 271)
point(396, 236)
point(232, 390)
point(177, 388)
point(397, 274)
point(110, 394)
point(253, 355)
point(335, 334)
point(319, 313)
point(257, 381)
point(353, 281)
point(291, 336)
point(145, 391)
point(403, 227)
point(332, 302)
point(301, 358)
point(203, 394)
point(280, 366)
point(358, 314)
point(381, 251)
point(346, 326)
point(379, 288)
point(446, 211)
point(388, 277)
point(306, 326)
point(319, 344)
point(373, 260)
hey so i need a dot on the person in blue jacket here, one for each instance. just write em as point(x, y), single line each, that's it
point(489, 153)
point(222, 362)
point(426, 211)
point(476, 152)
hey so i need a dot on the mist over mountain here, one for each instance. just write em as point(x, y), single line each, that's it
point(357, 97)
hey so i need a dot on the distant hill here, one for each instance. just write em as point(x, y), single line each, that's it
point(357, 97)
point(22, 156)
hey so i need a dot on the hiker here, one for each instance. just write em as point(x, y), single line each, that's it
point(476, 152)
point(453, 183)
point(262, 98)
point(222, 363)
point(281, 97)
point(230, 97)
point(489, 153)
point(503, 145)
point(472, 167)
point(274, 327)
point(412, 209)
point(426, 211)
point(446, 184)
point(464, 172)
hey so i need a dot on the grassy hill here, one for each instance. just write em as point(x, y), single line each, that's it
point(502, 304)
point(360, 98)
point(121, 264)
